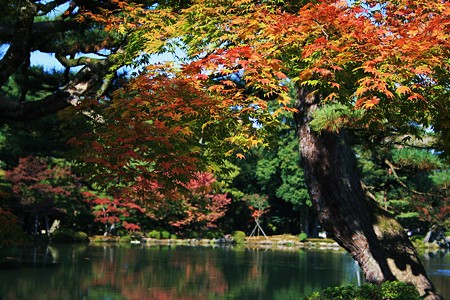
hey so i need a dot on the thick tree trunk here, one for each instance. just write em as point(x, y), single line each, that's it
point(370, 234)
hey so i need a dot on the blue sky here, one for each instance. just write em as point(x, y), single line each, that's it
point(47, 60)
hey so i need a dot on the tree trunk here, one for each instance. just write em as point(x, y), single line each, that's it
point(370, 234)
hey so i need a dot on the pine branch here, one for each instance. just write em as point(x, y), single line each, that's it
point(394, 173)
point(18, 51)
point(92, 79)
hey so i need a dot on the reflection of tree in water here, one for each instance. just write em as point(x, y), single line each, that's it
point(265, 274)
point(178, 274)
point(171, 275)
point(38, 277)
point(175, 273)
point(257, 278)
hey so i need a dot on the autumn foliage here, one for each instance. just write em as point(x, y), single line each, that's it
point(38, 185)
point(42, 190)
point(200, 208)
point(195, 205)
point(113, 212)
point(387, 60)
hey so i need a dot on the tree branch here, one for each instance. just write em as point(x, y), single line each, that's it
point(11, 110)
point(68, 63)
point(41, 32)
point(392, 168)
point(18, 52)
point(92, 79)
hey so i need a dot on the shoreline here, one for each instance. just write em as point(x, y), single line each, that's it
point(276, 242)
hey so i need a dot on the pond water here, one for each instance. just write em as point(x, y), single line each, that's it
point(181, 273)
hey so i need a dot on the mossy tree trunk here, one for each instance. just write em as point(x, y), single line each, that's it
point(370, 234)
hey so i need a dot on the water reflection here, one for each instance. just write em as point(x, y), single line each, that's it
point(179, 273)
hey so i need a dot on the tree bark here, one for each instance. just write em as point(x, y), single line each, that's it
point(370, 234)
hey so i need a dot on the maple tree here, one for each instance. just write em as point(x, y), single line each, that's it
point(193, 206)
point(258, 205)
point(88, 58)
point(383, 65)
point(113, 212)
point(43, 190)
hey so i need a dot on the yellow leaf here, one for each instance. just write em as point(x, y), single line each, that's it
point(422, 70)
point(403, 90)
point(280, 75)
point(416, 96)
point(331, 96)
point(336, 85)
point(371, 103)
point(240, 155)
point(360, 91)
point(216, 88)
point(284, 99)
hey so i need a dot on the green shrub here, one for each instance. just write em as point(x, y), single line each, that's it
point(119, 232)
point(136, 235)
point(173, 236)
point(417, 238)
point(80, 237)
point(165, 234)
point(154, 234)
point(447, 233)
point(63, 235)
point(213, 234)
point(125, 239)
point(66, 235)
point(387, 291)
point(192, 235)
point(302, 237)
point(399, 291)
point(209, 234)
point(419, 244)
point(238, 237)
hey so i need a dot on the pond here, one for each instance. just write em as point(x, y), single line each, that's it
point(182, 273)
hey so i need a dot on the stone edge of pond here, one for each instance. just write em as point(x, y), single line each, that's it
point(248, 242)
